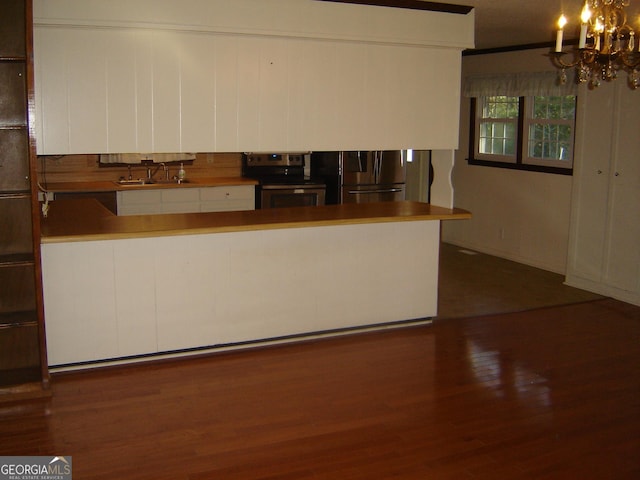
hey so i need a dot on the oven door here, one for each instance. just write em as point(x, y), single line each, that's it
point(279, 196)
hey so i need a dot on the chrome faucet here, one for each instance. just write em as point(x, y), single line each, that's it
point(151, 172)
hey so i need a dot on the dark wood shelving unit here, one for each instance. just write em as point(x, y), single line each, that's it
point(23, 362)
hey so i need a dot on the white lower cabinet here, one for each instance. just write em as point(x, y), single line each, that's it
point(139, 202)
point(180, 200)
point(100, 300)
point(79, 293)
point(186, 200)
point(224, 199)
point(115, 299)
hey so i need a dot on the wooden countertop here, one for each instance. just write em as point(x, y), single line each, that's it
point(86, 219)
point(112, 185)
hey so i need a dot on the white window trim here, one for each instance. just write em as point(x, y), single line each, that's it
point(493, 156)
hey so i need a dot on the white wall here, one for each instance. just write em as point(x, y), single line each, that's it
point(519, 215)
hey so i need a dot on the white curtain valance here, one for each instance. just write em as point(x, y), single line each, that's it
point(518, 85)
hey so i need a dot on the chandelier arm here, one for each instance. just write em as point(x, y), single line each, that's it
point(556, 57)
point(630, 59)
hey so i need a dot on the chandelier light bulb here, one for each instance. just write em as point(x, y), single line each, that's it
point(562, 21)
point(585, 16)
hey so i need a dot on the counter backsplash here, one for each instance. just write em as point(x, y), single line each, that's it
point(82, 168)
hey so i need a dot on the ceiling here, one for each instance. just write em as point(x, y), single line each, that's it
point(505, 23)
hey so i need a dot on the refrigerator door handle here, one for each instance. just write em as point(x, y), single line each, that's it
point(377, 165)
point(374, 166)
point(361, 167)
point(368, 192)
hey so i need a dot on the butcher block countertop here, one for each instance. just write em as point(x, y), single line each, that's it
point(112, 186)
point(71, 220)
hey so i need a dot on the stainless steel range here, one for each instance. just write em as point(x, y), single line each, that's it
point(282, 180)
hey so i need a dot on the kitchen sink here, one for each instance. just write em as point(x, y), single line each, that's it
point(145, 182)
point(136, 182)
point(173, 181)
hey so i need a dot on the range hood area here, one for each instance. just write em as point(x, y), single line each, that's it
point(140, 158)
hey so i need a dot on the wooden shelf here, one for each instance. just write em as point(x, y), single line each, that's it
point(6, 195)
point(19, 319)
point(16, 260)
point(20, 376)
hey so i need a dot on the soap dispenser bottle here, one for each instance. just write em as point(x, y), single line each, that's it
point(181, 173)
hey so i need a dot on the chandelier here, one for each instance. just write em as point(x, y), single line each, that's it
point(606, 46)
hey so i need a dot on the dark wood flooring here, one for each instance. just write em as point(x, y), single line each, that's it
point(551, 392)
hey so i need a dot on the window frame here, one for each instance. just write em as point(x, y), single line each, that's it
point(515, 121)
point(522, 161)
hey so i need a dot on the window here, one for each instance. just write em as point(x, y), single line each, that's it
point(549, 127)
point(528, 133)
point(498, 127)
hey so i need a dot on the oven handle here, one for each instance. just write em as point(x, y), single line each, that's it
point(367, 192)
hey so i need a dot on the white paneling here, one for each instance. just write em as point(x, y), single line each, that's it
point(189, 282)
point(52, 84)
point(167, 119)
point(317, 75)
point(623, 247)
point(429, 104)
point(135, 295)
point(52, 103)
point(121, 95)
point(143, 48)
point(226, 94)
point(273, 104)
point(87, 90)
point(299, 82)
point(590, 198)
point(79, 301)
point(345, 87)
point(166, 90)
point(198, 92)
point(286, 18)
point(248, 100)
point(379, 111)
point(327, 95)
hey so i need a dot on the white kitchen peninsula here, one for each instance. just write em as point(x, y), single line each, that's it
point(124, 287)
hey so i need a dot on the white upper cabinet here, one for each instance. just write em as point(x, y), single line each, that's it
point(221, 76)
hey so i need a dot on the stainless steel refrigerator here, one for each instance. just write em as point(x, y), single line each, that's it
point(361, 176)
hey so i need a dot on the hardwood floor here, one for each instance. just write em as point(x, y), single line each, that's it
point(473, 284)
point(552, 392)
